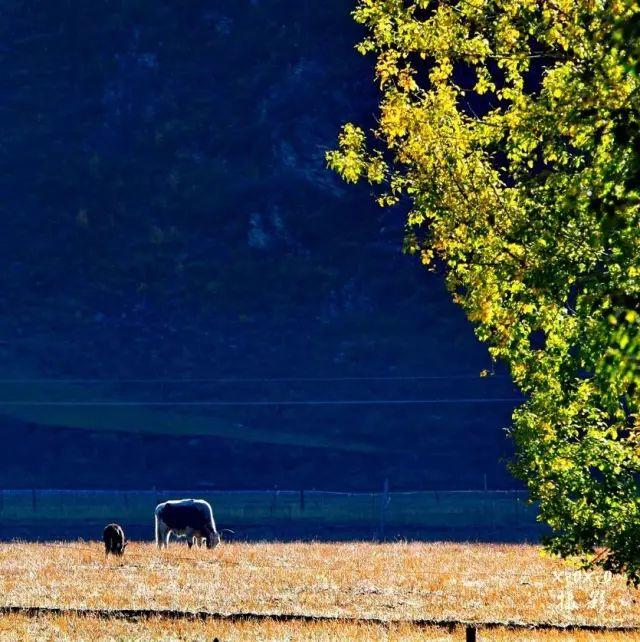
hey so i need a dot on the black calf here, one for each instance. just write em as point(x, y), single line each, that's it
point(113, 537)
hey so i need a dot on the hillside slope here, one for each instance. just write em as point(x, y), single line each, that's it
point(167, 214)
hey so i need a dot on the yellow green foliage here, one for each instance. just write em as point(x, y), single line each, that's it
point(533, 207)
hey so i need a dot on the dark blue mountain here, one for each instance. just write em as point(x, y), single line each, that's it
point(167, 216)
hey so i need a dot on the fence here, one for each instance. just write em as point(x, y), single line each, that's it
point(471, 628)
point(502, 515)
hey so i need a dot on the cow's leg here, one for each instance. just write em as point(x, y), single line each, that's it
point(162, 533)
point(188, 533)
point(158, 535)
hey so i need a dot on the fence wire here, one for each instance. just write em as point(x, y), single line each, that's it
point(273, 514)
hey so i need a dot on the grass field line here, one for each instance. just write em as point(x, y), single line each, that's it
point(176, 614)
point(218, 560)
point(222, 560)
point(183, 558)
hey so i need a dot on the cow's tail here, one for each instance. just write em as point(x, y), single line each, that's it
point(212, 522)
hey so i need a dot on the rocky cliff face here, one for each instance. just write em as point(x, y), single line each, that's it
point(167, 213)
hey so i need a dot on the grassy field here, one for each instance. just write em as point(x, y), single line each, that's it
point(81, 628)
point(390, 582)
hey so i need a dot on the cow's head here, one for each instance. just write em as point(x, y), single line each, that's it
point(213, 539)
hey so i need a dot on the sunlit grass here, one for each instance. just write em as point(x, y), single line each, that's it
point(399, 581)
point(20, 627)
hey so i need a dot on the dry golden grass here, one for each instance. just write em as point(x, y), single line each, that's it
point(471, 582)
point(74, 628)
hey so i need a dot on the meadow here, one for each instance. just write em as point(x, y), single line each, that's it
point(385, 586)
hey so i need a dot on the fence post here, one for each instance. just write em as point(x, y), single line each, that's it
point(471, 634)
point(384, 500)
point(373, 516)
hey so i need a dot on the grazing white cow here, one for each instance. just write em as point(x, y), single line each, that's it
point(192, 518)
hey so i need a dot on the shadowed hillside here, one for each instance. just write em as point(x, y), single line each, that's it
point(167, 214)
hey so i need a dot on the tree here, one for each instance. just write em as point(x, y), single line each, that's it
point(512, 128)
